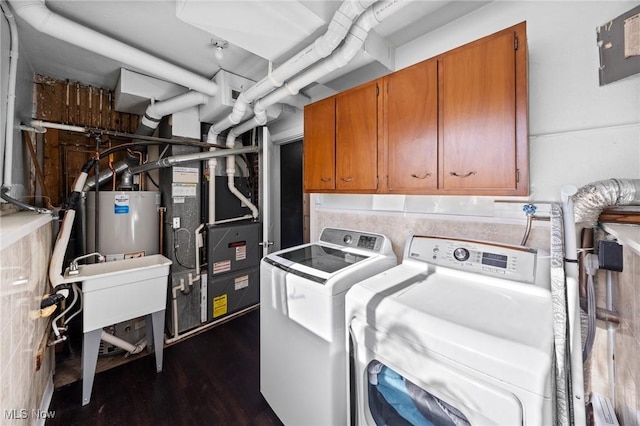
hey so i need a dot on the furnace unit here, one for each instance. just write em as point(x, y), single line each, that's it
point(234, 254)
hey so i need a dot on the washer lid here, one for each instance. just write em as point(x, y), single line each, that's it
point(500, 328)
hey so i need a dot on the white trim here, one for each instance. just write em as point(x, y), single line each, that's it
point(45, 402)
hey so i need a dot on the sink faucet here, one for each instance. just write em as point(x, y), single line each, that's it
point(73, 267)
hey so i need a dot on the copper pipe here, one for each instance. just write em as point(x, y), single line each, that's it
point(604, 314)
point(113, 173)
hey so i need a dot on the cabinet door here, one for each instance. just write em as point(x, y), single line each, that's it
point(357, 138)
point(479, 122)
point(319, 145)
point(411, 128)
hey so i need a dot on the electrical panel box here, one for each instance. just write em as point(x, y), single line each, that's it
point(619, 47)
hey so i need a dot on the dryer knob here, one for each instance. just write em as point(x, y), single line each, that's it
point(347, 239)
point(461, 254)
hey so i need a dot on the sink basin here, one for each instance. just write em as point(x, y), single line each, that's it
point(120, 290)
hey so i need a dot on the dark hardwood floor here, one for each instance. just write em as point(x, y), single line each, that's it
point(208, 379)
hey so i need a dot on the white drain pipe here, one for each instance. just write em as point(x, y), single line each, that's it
point(339, 58)
point(11, 100)
point(36, 13)
point(352, 43)
point(320, 48)
point(123, 344)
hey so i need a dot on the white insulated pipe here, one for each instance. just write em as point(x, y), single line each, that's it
point(231, 161)
point(156, 110)
point(42, 126)
point(45, 21)
point(320, 48)
point(352, 44)
point(11, 99)
point(57, 258)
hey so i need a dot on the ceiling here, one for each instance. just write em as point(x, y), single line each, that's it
point(154, 27)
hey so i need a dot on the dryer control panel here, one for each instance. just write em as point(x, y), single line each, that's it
point(515, 263)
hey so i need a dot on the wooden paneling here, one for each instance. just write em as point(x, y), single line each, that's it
point(68, 102)
point(65, 153)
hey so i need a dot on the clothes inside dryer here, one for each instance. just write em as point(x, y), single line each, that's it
point(394, 400)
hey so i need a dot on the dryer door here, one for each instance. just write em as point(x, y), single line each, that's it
point(399, 383)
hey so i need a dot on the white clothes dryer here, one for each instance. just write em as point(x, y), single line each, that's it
point(460, 333)
point(302, 331)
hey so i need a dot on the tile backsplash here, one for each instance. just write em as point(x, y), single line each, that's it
point(23, 281)
point(399, 227)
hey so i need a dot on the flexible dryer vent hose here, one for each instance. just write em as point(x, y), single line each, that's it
point(592, 198)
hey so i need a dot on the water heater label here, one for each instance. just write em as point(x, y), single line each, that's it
point(121, 204)
point(219, 305)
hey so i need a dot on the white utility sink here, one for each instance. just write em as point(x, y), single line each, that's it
point(118, 291)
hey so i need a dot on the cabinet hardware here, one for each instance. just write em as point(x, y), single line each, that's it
point(413, 175)
point(347, 179)
point(465, 175)
point(325, 179)
point(516, 43)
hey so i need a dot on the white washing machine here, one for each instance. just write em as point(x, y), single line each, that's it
point(302, 331)
point(460, 333)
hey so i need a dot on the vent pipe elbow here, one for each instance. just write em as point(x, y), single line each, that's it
point(592, 198)
point(157, 110)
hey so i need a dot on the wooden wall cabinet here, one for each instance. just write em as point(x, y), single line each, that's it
point(410, 130)
point(341, 142)
point(483, 142)
point(319, 158)
point(454, 124)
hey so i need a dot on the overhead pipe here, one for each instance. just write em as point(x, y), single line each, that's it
point(323, 46)
point(11, 99)
point(352, 44)
point(231, 161)
point(198, 156)
point(151, 120)
point(157, 110)
point(339, 58)
point(36, 13)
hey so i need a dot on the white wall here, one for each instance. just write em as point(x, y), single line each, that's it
point(579, 132)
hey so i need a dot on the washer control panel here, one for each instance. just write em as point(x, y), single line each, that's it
point(516, 263)
point(356, 239)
